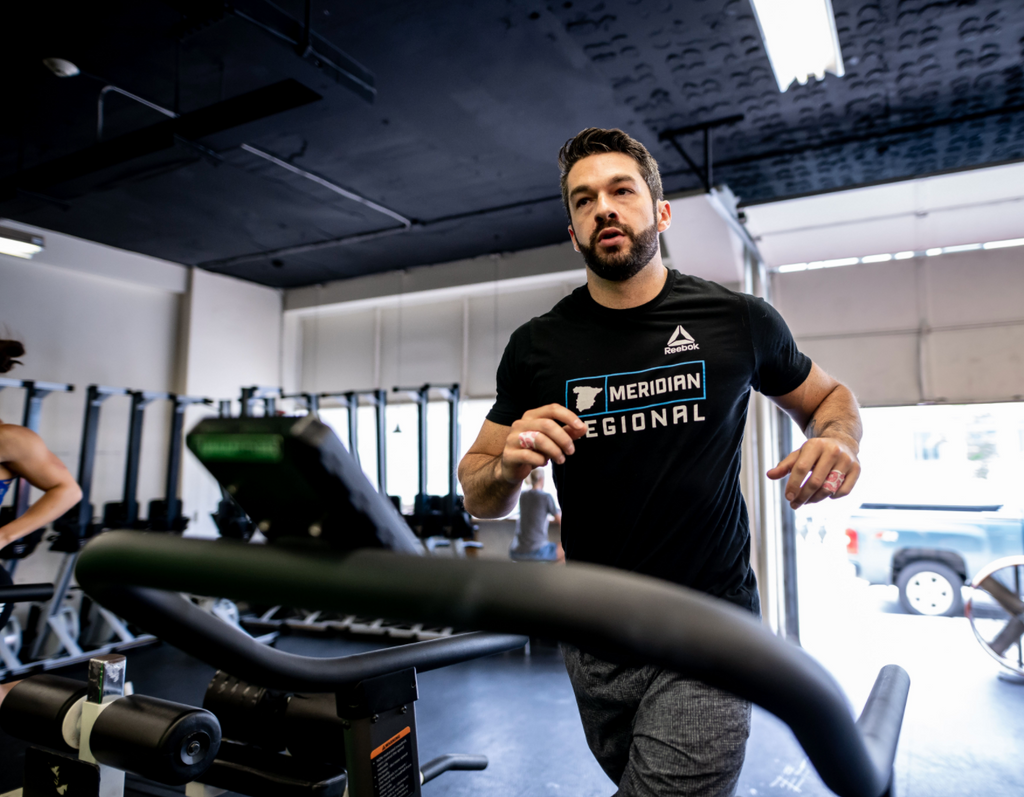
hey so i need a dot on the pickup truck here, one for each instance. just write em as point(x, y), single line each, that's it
point(930, 550)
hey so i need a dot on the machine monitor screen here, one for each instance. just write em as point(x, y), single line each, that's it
point(295, 480)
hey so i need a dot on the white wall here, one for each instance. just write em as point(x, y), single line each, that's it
point(232, 339)
point(447, 323)
point(81, 328)
point(91, 314)
point(931, 329)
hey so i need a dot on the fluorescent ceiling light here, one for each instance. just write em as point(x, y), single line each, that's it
point(934, 251)
point(903, 255)
point(841, 261)
point(19, 244)
point(876, 259)
point(800, 39)
point(962, 248)
point(792, 267)
point(1004, 244)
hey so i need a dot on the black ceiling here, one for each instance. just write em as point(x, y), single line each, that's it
point(473, 100)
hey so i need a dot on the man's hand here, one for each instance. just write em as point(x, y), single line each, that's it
point(812, 468)
point(826, 465)
point(546, 433)
point(493, 469)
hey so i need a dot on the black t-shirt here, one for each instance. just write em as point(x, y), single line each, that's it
point(663, 388)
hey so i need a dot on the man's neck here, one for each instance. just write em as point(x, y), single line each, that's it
point(637, 290)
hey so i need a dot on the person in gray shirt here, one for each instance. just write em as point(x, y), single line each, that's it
point(531, 542)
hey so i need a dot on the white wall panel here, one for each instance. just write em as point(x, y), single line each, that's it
point(233, 340)
point(881, 370)
point(867, 298)
point(976, 287)
point(960, 319)
point(421, 343)
point(976, 364)
point(338, 352)
point(492, 320)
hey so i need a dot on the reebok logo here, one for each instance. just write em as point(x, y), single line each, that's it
point(681, 340)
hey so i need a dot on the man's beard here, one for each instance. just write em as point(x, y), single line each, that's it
point(620, 266)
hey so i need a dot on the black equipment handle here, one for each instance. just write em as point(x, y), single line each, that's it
point(26, 593)
point(452, 762)
point(607, 611)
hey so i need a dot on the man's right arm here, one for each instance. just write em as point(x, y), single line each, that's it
point(493, 469)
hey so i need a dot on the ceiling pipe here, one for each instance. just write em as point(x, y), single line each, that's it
point(337, 189)
point(360, 237)
point(129, 95)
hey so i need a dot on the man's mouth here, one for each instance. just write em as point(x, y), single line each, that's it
point(610, 237)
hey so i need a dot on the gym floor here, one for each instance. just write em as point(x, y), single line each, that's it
point(960, 736)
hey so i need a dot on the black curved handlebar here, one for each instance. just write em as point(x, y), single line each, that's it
point(598, 608)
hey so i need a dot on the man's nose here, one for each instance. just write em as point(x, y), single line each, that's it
point(605, 210)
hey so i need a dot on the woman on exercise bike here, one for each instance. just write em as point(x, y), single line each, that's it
point(23, 454)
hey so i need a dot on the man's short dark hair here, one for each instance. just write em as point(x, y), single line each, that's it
point(595, 140)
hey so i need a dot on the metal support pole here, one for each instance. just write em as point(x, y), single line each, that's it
point(130, 499)
point(454, 444)
point(95, 396)
point(247, 400)
point(173, 503)
point(76, 522)
point(421, 439)
point(709, 180)
point(382, 448)
point(790, 593)
point(352, 402)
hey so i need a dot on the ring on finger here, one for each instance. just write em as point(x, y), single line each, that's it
point(834, 481)
point(528, 440)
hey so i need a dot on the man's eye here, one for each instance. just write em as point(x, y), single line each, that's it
point(581, 202)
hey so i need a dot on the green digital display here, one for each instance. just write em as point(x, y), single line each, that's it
point(237, 447)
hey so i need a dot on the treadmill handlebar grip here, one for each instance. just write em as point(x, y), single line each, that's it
point(609, 612)
point(882, 717)
point(26, 593)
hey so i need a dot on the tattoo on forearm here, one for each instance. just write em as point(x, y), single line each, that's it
point(836, 417)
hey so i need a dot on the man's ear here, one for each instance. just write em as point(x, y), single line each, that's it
point(664, 215)
point(572, 235)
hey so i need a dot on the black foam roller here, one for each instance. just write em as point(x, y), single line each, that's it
point(34, 710)
point(163, 741)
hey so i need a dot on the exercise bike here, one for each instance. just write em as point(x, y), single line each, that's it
point(338, 545)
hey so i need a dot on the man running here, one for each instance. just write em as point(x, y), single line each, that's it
point(641, 379)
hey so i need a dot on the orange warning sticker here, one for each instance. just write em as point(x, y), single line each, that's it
point(390, 742)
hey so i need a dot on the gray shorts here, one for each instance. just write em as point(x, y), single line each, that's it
point(656, 733)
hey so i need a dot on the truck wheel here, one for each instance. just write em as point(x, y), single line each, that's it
point(930, 588)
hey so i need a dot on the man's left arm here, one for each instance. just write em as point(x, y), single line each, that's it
point(827, 412)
